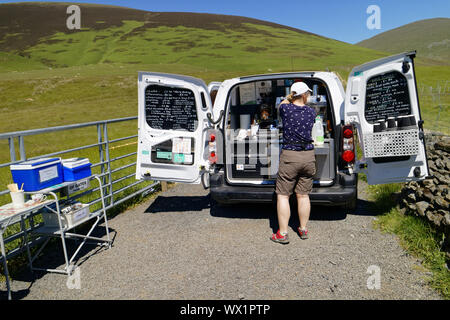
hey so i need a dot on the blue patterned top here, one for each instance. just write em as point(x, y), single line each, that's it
point(298, 122)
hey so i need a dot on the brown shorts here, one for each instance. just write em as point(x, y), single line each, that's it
point(296, 172)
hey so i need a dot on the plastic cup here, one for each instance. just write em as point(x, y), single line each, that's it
point(403, 122)
point(392, 125)
point(382, 125)
point(412, 120)
point(245, 121)
point(18, 199)
point(376, 127)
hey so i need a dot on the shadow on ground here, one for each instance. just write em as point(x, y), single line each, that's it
point(52, 257)
point(251, 210)
point(178, 203)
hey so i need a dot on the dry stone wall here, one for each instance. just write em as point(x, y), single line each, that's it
point(430, 198)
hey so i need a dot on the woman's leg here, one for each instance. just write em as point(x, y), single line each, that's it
point(304, 209)
point(284, 212)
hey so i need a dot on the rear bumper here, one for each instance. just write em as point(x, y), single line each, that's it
point(335, 195)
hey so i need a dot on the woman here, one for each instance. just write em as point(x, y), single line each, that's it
point(297, 161)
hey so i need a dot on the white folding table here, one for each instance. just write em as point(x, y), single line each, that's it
point(10, 215)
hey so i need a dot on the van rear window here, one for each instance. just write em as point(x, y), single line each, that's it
point(168, 108)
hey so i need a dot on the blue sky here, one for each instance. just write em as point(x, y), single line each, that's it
point(343, 20)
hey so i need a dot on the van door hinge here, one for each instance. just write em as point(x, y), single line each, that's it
point(405, 66)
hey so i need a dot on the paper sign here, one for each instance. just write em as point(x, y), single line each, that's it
point(181, 145)
point(78, 186)
point(164, 155)
point(188, 158)
point(48, 174)
point(80, 214)
point(263, 87)
point(247, 93)
point(178, 158)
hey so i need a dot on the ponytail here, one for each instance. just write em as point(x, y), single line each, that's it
point(291, 97)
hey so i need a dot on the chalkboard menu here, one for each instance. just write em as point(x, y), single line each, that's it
point(170, 108)
point(387, 95)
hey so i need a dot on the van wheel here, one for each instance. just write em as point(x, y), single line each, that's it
point(350, 206)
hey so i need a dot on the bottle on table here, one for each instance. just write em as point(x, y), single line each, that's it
point(317, 131)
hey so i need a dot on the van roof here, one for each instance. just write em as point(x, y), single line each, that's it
point(309, 73)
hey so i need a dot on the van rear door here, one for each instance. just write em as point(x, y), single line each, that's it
point(384, 91)
point(172, 125)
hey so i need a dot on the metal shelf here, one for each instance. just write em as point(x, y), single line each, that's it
point(62, 231)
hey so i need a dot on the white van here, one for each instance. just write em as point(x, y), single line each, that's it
point(232, 149)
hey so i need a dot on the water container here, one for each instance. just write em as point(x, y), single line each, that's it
point(38, 174)
point(76, 168)
point(317, 132)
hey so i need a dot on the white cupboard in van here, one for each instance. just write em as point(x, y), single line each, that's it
point(233, 145)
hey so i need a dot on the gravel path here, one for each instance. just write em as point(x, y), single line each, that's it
point(176, 247)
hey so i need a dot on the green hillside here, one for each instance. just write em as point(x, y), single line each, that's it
point(52, 76)
point(37, 33)
point(431, 39)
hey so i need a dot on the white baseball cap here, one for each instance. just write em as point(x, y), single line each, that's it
point(300, 88)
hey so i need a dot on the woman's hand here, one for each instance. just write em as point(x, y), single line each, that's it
point(285, 101)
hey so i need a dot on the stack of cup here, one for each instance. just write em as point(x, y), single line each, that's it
point(407, 122)
point(382, 123)
point(376, 127)
point(404, 122)
point(412, 120)
point(379, 126)
point(18, 199)
point(392, 126)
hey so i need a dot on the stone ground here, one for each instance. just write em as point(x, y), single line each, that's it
point(176, 246)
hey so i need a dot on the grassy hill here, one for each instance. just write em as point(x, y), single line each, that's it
point(431, 39)
point(37, 33)
point(51, 76)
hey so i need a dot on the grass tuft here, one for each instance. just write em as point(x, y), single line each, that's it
point(417, 236)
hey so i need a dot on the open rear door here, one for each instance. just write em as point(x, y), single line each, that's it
point(172, 127)
point(382, 102)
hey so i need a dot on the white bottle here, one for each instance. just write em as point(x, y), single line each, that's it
point(317, 131)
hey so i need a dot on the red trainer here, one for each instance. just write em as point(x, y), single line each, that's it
point(279, 238)
point(303, 233)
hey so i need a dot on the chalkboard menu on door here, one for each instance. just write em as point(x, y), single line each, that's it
point(170, 108)
point(387, 95)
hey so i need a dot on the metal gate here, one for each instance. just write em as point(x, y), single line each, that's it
point(111, 160)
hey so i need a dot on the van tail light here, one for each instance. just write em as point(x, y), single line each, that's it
point(212, 148)
point(348, 144)
point(348, 156)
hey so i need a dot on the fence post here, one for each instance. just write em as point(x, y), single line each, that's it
point(12, 150)
point(23, 155)
point(105, 136)
point(101, 155)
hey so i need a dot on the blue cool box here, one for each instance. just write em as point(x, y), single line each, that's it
point(76, 169)
point(37, 174)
